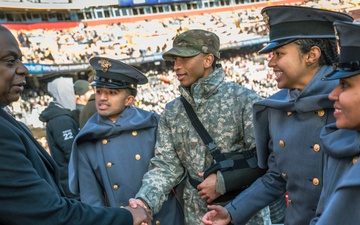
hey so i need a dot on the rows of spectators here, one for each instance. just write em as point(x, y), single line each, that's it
point(143, 38)
point(126, 40)
point(248, 70)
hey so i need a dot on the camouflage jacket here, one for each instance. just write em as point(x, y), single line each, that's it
point(225, 109)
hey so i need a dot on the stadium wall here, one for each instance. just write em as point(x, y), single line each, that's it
point(130, 19)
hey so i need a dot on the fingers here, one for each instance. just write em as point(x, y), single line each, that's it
point(148, 211)
point(213, 207)
point(217, 208)
point(141, 216)
point(134, 203)
point(209, 200)
point(208, 218)
point(208, 196)
point(149, 214)
point(205, 197)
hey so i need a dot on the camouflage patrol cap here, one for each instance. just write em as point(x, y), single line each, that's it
point(193, 42)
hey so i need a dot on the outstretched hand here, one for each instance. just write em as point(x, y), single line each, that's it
point(141, 216)
point(217, 215)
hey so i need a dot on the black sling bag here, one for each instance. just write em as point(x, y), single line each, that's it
point(246, 160)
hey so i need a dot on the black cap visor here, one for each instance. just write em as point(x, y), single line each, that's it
point(111, 85)
point(275, 44)
point(339, 74)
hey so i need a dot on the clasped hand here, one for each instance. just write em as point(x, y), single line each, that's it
point(141, 214)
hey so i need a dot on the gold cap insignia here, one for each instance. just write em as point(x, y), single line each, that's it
point(105, 65)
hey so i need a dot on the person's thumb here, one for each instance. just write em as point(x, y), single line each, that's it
point(132, 203)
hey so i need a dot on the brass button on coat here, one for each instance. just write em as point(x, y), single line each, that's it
point(284, 175)
point(316, 147)
point(109, 165)
point(134, 133)
point(289, 113)
point(157, 222)
point(321, 112)
point(281, 143)
point(137, 157)
point(355, 159)
point(115, 187)
point(316, 181)
point(104, 141)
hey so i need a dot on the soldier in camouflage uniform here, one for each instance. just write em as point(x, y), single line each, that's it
point(224, 108)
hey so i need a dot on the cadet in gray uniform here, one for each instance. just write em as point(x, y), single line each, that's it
point(340, 197)
point(288, 124)
point(111, 153)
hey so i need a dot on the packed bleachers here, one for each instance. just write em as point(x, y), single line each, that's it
point(133, 40)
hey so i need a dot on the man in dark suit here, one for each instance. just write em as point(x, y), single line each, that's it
point(30, 190)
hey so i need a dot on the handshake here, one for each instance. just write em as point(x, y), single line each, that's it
point(140, 212)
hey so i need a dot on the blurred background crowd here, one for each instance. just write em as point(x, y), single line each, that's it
point(148, 37)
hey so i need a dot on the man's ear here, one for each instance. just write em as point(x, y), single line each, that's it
point(129, 100)
point(208, 60)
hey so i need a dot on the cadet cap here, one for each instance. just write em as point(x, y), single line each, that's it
point(81, 87)
point(289, 23)
point(349, 60)
point(111, 73)
point(193, 42)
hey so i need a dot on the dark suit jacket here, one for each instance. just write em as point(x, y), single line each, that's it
point(30, 190)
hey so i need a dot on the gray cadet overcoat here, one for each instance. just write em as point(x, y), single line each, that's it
point(109, 159)
point(340, 197)
point(287, 133)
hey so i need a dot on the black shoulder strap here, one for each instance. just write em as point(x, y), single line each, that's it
point(208, 141)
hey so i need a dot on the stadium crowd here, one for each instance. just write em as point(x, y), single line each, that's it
point(249, 70)
point(132, 40)
point(143, 38)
